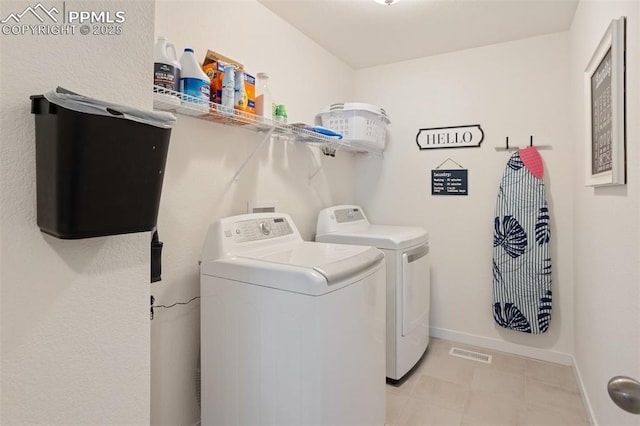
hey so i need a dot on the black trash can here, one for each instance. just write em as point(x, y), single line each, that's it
point(99, 166)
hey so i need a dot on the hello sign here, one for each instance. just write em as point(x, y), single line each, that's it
point(450, 137)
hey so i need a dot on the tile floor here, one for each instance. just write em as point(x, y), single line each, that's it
point(450, 391)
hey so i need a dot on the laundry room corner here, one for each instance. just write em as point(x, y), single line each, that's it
point(515, 90)
point(319, 212)
point(207, 177)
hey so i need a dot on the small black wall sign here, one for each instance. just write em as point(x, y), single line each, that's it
point(450, 137)
point(449, 182)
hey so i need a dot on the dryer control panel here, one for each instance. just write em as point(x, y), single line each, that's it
point(351, 214)
point(259, 229)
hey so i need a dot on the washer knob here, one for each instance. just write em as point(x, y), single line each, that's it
point(265, 228)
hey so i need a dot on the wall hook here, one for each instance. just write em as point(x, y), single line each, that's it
point(515, 148)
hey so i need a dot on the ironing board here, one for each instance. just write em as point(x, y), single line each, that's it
point(521, 259)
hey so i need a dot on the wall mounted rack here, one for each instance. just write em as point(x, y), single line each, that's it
point(515, 148)
point(179, 103)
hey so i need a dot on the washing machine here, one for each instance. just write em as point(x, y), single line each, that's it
point(406, 251)
point(292, 331)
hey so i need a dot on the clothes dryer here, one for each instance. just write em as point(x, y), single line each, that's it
point(406, 251)
point(292, 332)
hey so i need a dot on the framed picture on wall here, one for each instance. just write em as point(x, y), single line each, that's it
point(604, 85)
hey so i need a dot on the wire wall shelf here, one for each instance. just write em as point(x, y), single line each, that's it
point(179, 103)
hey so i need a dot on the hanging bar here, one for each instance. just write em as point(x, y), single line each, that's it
point(515, 148)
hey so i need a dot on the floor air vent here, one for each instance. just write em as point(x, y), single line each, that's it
point(474, 356)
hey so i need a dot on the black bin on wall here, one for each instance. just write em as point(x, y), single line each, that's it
point(99, 166)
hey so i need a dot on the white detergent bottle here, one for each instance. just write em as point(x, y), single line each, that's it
point(194, 85)
point(228, 89)
point(166, 75)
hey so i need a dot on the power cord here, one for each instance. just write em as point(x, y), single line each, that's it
point(153, 300)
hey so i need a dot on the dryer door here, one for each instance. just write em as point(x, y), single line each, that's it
point(415, 288)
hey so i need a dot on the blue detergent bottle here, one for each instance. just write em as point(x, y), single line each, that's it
point(194, 83)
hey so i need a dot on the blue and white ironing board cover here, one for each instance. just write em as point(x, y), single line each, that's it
point(521, 258)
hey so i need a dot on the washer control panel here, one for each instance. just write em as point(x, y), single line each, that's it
point(260, 229)
point(348, 215)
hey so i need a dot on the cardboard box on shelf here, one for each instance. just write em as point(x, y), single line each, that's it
point(213, 56)
point(250, 89)
point(215, 70)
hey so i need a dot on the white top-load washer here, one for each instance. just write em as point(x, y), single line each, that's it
point(292, 332)
point(406, 252)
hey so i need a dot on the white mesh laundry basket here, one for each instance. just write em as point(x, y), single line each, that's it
point(362, 125)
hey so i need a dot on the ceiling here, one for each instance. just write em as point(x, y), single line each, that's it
point(363, 33)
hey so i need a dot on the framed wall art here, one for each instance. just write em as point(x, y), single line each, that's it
point(604, 86)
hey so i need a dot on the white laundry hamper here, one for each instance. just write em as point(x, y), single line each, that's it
point(363, 126)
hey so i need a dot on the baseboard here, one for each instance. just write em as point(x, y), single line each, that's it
point(583, 393)
point(502, 346)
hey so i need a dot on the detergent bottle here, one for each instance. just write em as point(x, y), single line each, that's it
point(166, 74)
point(194, 83)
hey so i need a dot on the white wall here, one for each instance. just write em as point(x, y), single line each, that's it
point(514, 89)
point(75, 319)
point(204, 156)
point(606, 231)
